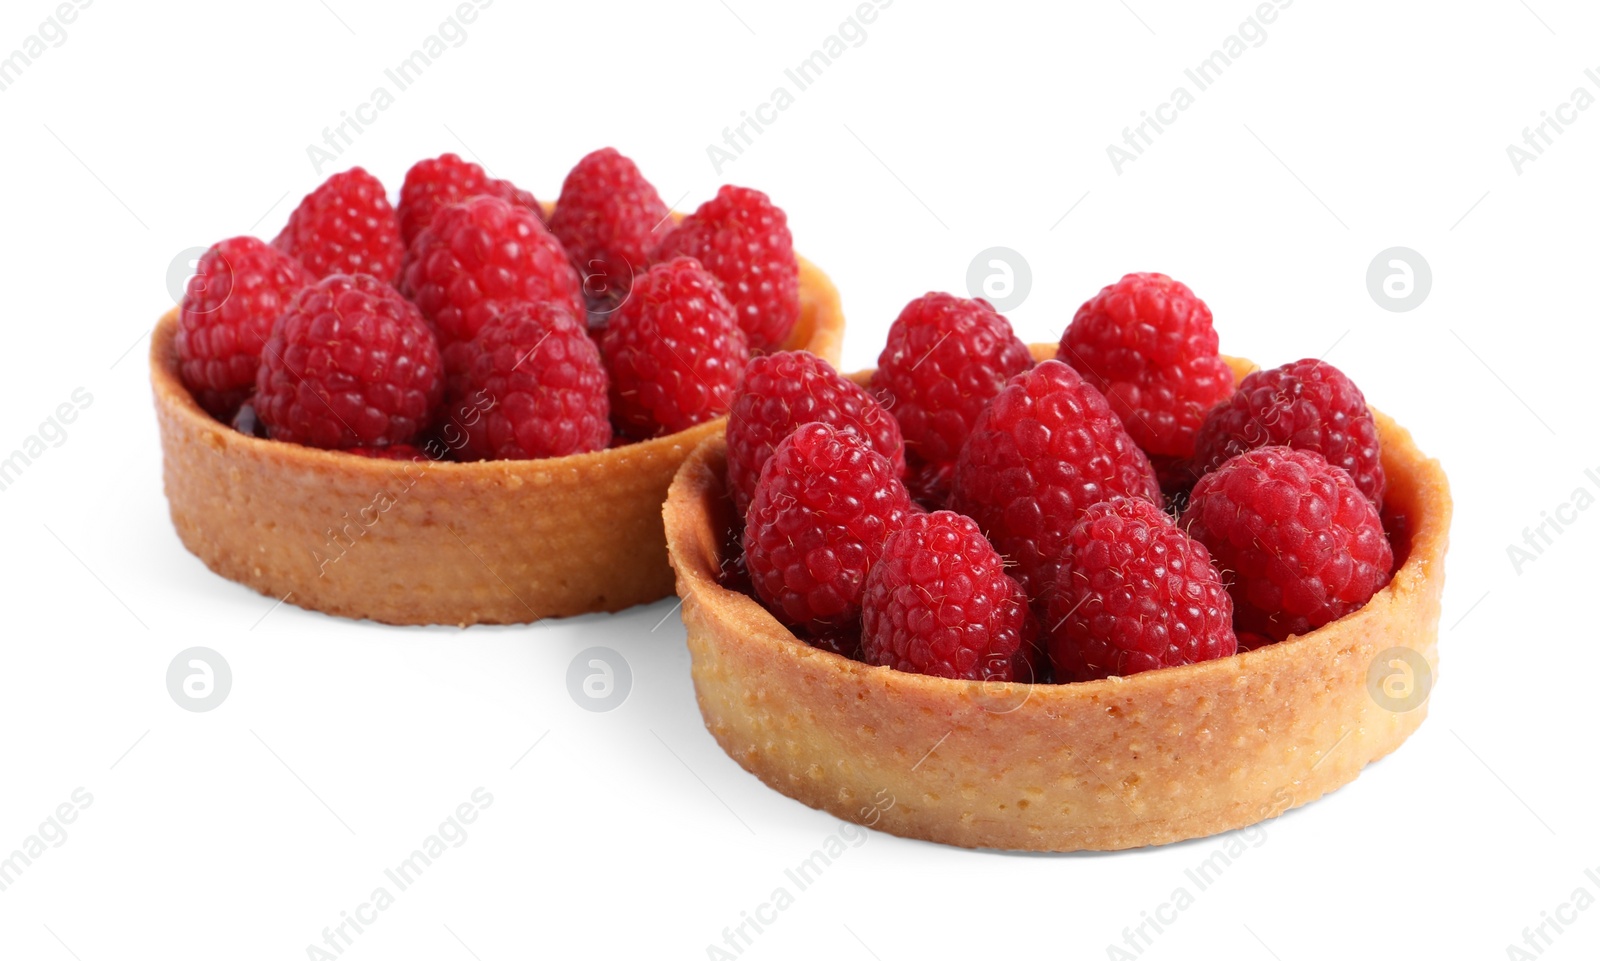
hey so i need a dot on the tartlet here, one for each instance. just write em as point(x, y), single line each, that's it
point(1125, 762)
point(489, 542)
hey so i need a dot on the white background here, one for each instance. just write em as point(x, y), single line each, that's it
point(243, 832)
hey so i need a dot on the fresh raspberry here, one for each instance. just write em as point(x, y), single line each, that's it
point(1307, 405)
point(434, 184)
point(535, 387)
point(239, 289)
point(1304, 546)
point(1134, 593)
point(824, 506)
point(781, 391)
point(345, 226)
point(350, 363)
point(674, 351)
point(744, 240)
point(392, 452)
point(945, 359)
point(478, 259)
point(1044, 449)
point(609, 218)
point(939, 602)
point(1146, 342)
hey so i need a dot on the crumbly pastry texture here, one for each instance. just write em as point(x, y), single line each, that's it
point(1116, 763)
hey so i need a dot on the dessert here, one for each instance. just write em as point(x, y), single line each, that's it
point(939, 602)
point(477, 259)
point(1307, 405)
point(780, 392)
point(345, 226)
point(239, 289)
point(1148, 344)
point(610, 220)
point(533, 387)
point(1134, 592)
point(428, 440)
point(674, 351)
point(1044, 449)
point(824, 506)
point(744, 240)
point(1304, 545)
point(432, 185)
point(944, 360)
point(1145, 704)
point(350, 363)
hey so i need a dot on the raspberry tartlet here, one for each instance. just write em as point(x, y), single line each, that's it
point(1105, 763)
point(510, 528)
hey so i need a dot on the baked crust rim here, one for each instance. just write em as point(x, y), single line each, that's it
point(1149, 759)
point(460, 543)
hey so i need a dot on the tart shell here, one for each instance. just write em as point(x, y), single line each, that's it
point(432, 542)
point(1126, 762)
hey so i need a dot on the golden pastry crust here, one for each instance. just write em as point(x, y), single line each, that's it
point(1125, 762)
point(492, 542)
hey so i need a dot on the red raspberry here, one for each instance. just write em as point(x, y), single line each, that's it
point(1134, 593)
point(609, 218)
point(434, 184)
point(345, 226)
point(239, 289)
point(536, 380)
point(1307, 405)
point(824, 506)
point(1147, 343)
point(945, 359)
point(1044, 449)
point(1304, 546)
point(392, 452)
point(781, 391)
point(744, 240)
point(351, 363)
point(478, 259)
point(674, 351)
point(939, 602)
